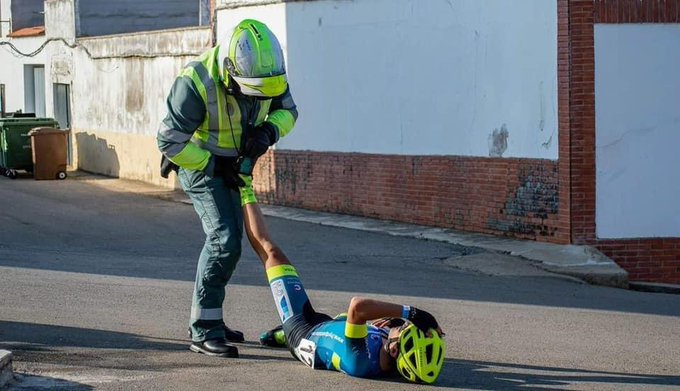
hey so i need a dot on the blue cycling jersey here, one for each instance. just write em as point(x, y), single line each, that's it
point(316, 339)
point(353, 356)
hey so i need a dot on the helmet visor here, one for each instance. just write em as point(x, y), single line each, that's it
point(267, 87)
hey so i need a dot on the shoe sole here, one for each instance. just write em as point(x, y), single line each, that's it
point(197, 349)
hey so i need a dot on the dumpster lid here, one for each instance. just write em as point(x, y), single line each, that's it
point(45, 130)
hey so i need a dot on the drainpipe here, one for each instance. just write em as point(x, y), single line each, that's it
point(2, 101)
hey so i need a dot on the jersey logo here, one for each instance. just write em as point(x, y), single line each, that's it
point(281, 299)
point(305, 351)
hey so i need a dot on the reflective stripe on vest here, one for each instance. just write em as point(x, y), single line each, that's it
point(220, 132)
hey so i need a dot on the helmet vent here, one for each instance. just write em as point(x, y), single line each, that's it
point(403, 372)
point(412, 361)
point(428, 353)
point(408, 345)
point(257, 33)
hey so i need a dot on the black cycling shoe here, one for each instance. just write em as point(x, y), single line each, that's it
point(215, 347)
point(229, 334)
point(274, 338)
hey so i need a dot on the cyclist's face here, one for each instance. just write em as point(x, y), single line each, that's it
point(391, 344)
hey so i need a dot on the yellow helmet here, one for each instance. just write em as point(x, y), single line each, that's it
point(420, 357)
point(251, 54)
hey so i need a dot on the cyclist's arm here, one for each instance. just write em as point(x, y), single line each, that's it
point(362, 310)
point(357, 361)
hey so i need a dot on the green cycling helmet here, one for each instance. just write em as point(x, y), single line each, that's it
point(252, 56)
point(420, 357)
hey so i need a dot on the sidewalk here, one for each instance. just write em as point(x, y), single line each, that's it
point(581, 262)
point(5, 368)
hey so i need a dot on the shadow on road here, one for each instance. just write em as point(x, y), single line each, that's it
point(114, 350)
point(76, 227)
point(31, 342)
point(482, 375)
point(36, 382)
point(36, 337)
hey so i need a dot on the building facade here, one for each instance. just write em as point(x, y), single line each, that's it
point(548, 120)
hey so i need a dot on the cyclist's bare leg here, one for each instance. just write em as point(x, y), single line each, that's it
point(270, 254)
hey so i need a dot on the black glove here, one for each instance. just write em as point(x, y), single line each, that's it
point(259, 139)
point(227, 169)
point(167, 166)
point(422, 319)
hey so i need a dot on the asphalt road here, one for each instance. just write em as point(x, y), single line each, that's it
point(95, 289)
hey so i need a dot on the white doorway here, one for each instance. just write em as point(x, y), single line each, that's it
point(62, 110)
point(34, 89)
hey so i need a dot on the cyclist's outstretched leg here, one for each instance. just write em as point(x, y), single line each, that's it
point(289, 295)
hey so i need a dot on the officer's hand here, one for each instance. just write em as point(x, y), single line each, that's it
point(227, 170)
point(233, 181)
point(423, 320)
point(167, 166)
point(259, 139)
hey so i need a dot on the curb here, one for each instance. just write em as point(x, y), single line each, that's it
point(655, 287)
point(583, 262)
point(6, 374)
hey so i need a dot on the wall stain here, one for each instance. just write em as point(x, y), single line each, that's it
point(498, 141)
point(134, 85)
point(535, 200)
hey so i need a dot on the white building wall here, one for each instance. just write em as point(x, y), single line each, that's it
point(5, 15)
point(12, 70)
point(432, 77)
point(637, 90)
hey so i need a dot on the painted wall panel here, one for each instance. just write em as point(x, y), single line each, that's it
point(135, 73)
point(637, 89)
point(471, 78)
point(115, 124)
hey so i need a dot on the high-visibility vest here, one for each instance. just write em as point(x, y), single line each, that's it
point(222, 128)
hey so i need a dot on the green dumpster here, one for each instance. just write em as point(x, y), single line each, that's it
point(15, 143)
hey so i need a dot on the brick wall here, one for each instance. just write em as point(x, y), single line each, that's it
point(636, 11)
point(645, 259)
point(524, 198)
point(516, 197)
point(581, 155)
point(564, 117)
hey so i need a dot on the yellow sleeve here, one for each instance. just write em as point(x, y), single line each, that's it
point(247, 192)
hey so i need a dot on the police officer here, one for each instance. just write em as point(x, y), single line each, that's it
point(231, 103)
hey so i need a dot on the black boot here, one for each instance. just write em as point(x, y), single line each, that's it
point(229, 334)
point(215, 347)
point(233, 335)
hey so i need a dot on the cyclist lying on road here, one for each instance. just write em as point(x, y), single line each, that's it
point(401, 338)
